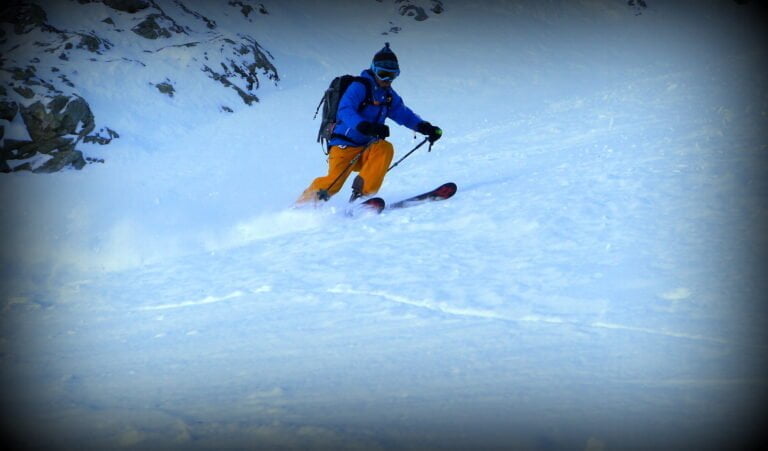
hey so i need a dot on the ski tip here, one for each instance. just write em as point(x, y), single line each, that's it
point(376, 204)
point(446, 190)
point(372, 206)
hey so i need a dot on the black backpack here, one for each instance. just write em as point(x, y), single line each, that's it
point(330, 103)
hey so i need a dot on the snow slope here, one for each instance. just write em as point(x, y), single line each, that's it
point(596, 283)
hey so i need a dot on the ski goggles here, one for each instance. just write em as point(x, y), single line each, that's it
point(385, 74)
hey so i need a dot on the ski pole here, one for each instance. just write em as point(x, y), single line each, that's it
point(410, 152)
point(323, 194)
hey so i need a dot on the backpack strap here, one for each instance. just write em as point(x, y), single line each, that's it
point(368, 93)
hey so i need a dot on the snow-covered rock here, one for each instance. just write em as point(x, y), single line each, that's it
point(46, 55)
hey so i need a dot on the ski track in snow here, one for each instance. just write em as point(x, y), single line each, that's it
point(487, 314)
point(442, 308)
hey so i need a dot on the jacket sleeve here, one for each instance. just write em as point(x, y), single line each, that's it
point(402, 114)
point(347, 113)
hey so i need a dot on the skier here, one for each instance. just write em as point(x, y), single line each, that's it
point(360, 132)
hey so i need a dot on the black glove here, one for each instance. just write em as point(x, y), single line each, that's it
point(380, 131)
point(432, 132)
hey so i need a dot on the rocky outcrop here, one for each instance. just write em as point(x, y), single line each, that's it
point(166, 88)
point(411, 9)
point(55, 123)
point(8, 109)
point(41, 92)
point(150, 28)
point(128, 6)
point(54, 130)
point(249, 60)
point(246, 8)
point(417, 9)
point(56, 118)
point(24, 17)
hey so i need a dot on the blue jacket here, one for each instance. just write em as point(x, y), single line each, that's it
point(348, 115)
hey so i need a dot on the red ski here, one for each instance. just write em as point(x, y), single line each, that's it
point(373, 205)
point(442, 192)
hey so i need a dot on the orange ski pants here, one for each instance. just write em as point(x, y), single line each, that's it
point(372, 166)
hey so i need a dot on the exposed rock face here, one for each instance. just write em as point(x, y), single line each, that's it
point(61, 116)
point(410, 9)
point(54, 129)
point(416, 9)
point(54, 121)
point(250, 59)
point(246, 8)
point(8, 110)
point(128, 6)
point(24, 17)
point(149, 28)
point(417, 12)
point(166, 88)
point(39, 69)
